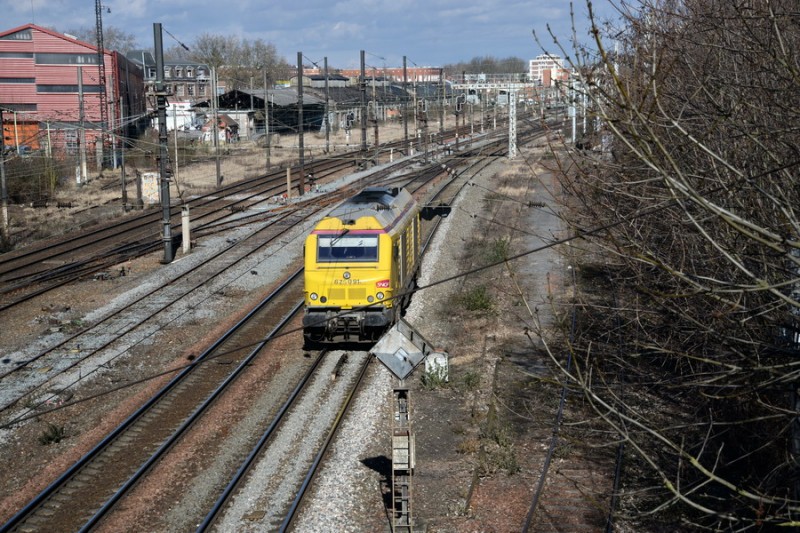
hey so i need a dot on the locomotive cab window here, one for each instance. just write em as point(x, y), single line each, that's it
point(350, 247)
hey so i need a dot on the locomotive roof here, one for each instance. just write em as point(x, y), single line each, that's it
point(386, 204)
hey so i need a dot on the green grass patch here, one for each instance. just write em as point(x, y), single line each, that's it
point(498, 250)
point(471, 380)
point(476, 299)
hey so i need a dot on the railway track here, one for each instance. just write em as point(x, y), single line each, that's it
point(116, 333)
point(109, 337)
point(49, 505)
point(82, 496)
point(36, 270)
point(275, 469)
point(420, 186)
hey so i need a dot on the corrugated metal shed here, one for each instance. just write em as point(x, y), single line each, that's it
point(283, 107)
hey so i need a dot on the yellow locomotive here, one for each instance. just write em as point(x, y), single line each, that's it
point(358, 259)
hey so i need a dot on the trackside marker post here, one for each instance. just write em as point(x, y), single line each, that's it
point(401, 350)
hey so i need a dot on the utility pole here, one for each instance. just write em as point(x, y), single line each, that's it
point(215, 129)
point(161, 107)
point(363, 86)
point(405, 106)
point(300, 146)
point(266, 117)
point(124, 135)
point(3, 190)
point(327, 112)
point(101, 74)
point(375, 109)
point(123, 141)
point(175, 141)
point(441, 105)
point(512, 124)
point(252, 86)
point(82, 172)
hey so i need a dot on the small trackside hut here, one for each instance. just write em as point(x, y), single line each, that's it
point(360, 263)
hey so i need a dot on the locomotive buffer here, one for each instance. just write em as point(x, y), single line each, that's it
point(401, 350)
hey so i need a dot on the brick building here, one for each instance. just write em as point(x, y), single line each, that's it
point(50, 92)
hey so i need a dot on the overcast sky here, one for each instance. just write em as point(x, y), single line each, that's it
point(429, 33)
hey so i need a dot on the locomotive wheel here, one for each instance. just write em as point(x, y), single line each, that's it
point(313, 341)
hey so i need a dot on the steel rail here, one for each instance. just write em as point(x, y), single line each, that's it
point(26, 512)
point(150, 293)
point(201, 409)
point(262, 441)
point(290, 514)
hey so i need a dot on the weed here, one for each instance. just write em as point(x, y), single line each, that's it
point(498, 250)
point(74, 325)
point(53, 434)
point(501, 459)
point(468, 446)
point(471, 380)
point(5, 244)
point(499, 434)
point(30, 403)
point(434, 378)
point(562, 450)
point(499, 450)
point(458, 429)
point(476, 299)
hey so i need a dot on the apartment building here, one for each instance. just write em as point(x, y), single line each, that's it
point(184, 80)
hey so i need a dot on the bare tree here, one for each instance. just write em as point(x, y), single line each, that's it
point(113, 38)
point(489, 65)
point(214, 50)
point(237, 62)
point(690, 270)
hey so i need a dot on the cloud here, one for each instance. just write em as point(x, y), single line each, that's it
point(137, 9)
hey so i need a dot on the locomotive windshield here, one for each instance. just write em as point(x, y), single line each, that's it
point(347, 247)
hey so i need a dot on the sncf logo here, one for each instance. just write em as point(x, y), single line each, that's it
point(383, 284)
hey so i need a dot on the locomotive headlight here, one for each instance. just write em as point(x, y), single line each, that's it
point(323, 299)
point(313, 296)
point(380, 296)
point(370, 299)
point(346, 275)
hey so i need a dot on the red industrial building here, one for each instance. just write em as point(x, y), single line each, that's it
point(51, 94)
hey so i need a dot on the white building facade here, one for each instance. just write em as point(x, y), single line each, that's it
point(545, 63)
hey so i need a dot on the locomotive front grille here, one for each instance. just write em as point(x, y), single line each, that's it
point(337, 294)
point(357, 293)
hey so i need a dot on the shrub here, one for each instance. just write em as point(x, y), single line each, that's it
point(53, 434)
point(433, 379)
point(471, 380)
point(498, 250)
point(476, 299)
